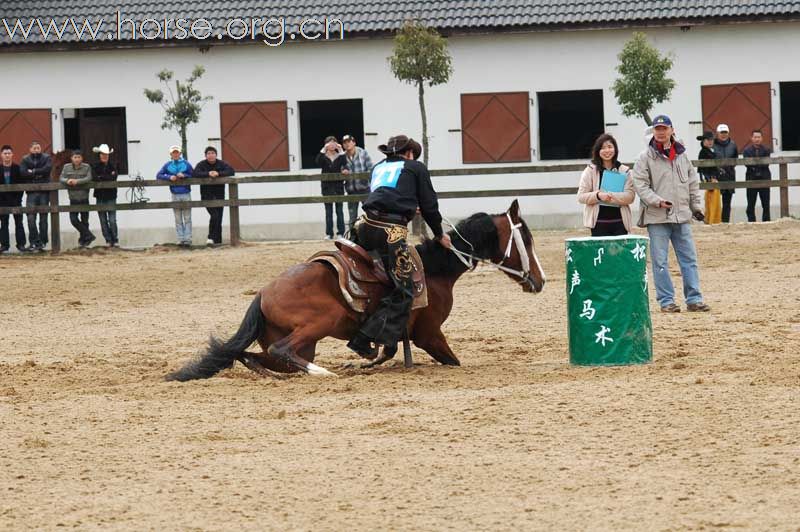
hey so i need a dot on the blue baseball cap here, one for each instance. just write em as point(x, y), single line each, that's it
point(662, 120)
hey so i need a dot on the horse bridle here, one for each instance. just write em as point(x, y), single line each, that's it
point(515, 237)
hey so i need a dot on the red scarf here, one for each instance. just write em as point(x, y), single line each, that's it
point(672, 153)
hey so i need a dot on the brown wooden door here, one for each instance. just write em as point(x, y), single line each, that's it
point(743, 106)
point(105, 130)
point(20, 127)
point(495, 127)
point(255, 136)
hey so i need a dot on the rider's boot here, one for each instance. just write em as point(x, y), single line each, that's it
point(362, 345)
point(390, 350)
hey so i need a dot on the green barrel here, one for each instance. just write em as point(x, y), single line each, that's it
point(607, 302)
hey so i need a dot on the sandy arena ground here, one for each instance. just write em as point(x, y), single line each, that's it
point(705, 437)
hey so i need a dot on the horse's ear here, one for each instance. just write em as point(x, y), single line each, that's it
point(514, 211)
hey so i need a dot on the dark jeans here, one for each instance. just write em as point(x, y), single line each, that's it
point(352, 207)
point(752, 194)
point(387, 325)
point(215, 224)
point(19, 230)
point(329, 219)
point(37, 236)
point(80, 221)
point(609, 229)
point(108, 221)
point(727, 196)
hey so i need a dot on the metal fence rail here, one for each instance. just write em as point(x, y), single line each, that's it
point(234, 202)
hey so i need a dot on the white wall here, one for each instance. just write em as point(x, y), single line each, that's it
point(531, 62)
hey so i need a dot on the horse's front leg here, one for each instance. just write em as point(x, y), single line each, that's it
point(432, 340)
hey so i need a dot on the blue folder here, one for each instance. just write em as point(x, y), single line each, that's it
point(613, 182)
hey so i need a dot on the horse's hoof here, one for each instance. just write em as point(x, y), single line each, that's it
point(313, 369)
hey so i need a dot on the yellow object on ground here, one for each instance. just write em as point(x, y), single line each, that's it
point(713, 206)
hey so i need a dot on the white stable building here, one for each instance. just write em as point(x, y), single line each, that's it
point(531, 85)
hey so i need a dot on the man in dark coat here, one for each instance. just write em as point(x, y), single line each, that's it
point(213, 167)
point(332, 159)
point(757, 172)
point(104, 170)
point(35, 168)
point(10, 174)
point(710, 174)
point(400, 184)
point(725, 148)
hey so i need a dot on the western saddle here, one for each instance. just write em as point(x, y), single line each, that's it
point(363, 280)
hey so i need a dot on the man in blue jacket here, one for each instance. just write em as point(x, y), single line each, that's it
point(176, 170)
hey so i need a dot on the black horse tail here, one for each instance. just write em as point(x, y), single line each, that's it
point(221, 355)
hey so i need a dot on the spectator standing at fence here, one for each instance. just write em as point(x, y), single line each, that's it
point(358, 161)
point(332, 159)
point(757, 172)
point(213, 167)
point(176, 170)
point(105, 171)
point(10, 174)
point(710, 174)
point(605, 212)
point(669, 189)
point(725, 148)
point(36, 168)
point(75, 174)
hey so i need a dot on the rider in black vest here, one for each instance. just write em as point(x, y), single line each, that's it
point(398, 186)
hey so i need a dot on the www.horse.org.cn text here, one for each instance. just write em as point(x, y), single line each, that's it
point(272, 31)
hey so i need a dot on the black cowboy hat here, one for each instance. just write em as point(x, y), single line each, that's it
point(705, 135)
point(400, 144)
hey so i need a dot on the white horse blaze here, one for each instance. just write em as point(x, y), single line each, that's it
point(538, 265)
point(516, 237)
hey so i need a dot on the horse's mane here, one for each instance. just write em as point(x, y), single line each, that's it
point(478, 229)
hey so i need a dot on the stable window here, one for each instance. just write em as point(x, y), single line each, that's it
point(89, 127)
point(323, 118)
point(569, 123)
point(790, 115)
point(254, 136)
point(495, 127)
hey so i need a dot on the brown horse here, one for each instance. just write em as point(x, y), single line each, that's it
point(58, 160)
point(304, 304)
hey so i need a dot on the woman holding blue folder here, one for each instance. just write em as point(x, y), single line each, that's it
point(606, 190)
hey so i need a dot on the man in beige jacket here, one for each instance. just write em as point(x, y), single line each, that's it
point(669, 189)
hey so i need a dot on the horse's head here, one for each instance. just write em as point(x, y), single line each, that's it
point(516, 250)
point(59, 160)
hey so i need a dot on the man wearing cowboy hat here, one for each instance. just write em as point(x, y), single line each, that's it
point(103, 170)
point(399, 185)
